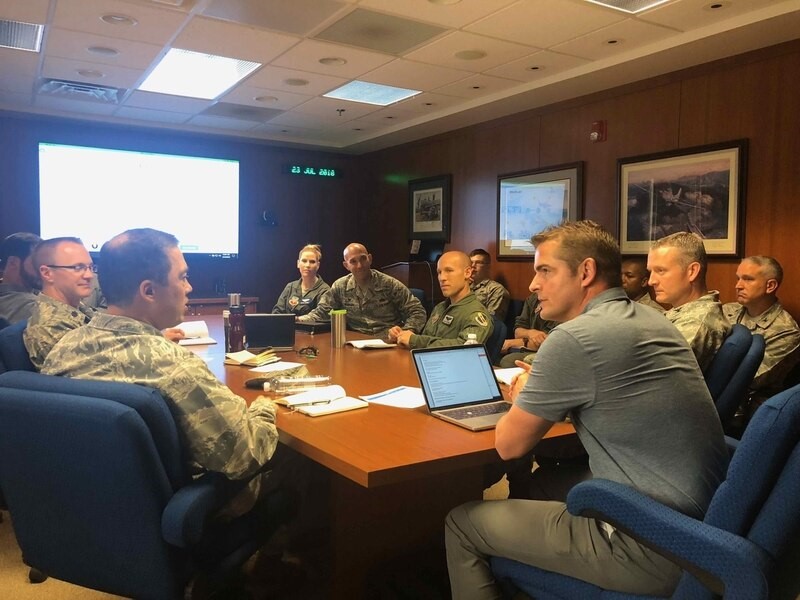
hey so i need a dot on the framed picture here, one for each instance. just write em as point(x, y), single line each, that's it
point(429, 208)
point(698, 189)
point(529, 201)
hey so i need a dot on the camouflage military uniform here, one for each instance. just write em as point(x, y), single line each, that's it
point(493, 296)
point(50, 320)
point(222, 433)
point(528, 319)
point(782, 341)
point(293, 300)
point(703, 325)
point(15, 305)
point(374, 309)
point(648, 301)
point(450, 324)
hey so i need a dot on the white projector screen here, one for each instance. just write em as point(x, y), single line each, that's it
point(96, 193)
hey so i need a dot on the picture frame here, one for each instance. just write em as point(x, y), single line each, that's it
point(529, 201)
point(429, 206)
point(699, 189)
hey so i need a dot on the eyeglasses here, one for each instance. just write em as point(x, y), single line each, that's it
point(79, 268)
point(309, 351)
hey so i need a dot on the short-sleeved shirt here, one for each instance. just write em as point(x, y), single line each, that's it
point(15, 304)
point(50, 320)
point(703, 325)
point(293, 300)
point(451, 323)
point(494, 296)
point(221, 432)
point(781, 343)
point(374, 308)
point(637, 399)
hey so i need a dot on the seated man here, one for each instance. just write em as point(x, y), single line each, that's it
point(145, 278)
point(530, 330)
point(453, 319)
point(66, 271)
point(20, 281)
point(635, 394)
point(677, 265)
point(634, 281)
point(757, 281)
point(494, 296)
point(375, 302)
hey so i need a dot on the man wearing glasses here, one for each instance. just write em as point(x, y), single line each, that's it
point(67, 273)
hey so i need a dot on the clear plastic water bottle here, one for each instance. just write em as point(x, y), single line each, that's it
point(291, 385)
point(471, 339)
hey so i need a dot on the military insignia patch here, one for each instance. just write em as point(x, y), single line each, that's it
point(434, 318)
point(480, 319)
point(294, 301)
point(447, 319)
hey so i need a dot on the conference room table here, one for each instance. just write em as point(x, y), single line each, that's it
point(394, 473)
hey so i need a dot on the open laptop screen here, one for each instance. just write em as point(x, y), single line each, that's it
point(456, 376)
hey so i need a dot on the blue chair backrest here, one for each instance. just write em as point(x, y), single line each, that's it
point(495, 342)
point(514, 310)
point(735, 391)
point(13, 354)
point(727, 359)
point(98, 462)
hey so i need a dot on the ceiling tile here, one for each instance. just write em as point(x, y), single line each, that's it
point(629, 35)
point(26, 11)
point(247, 95)
point(295, 16)
point(414, 75)
point(476, 86)
point(444, 52)
point(166, 102)
point(274, 78)
point(306, 55)
point(74, 106)
point(17, 83)
point(19, 62)
point(448, 15)
point(64, 68)
point(63, 43)
point(329, 108)
point(537, 66)
point(543, 23)
point(221, 123)
point(145, 114)
point(692, 14)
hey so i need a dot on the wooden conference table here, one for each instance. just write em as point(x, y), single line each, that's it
point(394, 472)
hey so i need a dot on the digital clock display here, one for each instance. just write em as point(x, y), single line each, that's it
point(313, 171)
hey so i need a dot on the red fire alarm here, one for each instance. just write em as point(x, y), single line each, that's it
point(598, 132)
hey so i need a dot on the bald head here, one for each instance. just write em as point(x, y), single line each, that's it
point(454, 270)
point(358, 261)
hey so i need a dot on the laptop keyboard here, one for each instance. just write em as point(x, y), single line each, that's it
point(469, 412)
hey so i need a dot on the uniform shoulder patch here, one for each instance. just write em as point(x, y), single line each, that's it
point(481, 320)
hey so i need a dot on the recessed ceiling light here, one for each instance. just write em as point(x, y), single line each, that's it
point(265, 99)
point(389, 117)
point(476, 87)
point(716, 5)
point(470, 54)
point(178, 73)
point(90, 73)
point(357, 129)
point(115, 19)
point(21, 36)
point(295, 82)
point(612, 42)
point(102, 50)
point(427, 103)
point(371, 93)
point(332, 61)
point(534, 68)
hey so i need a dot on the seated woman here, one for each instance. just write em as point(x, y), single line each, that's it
point(300, 297)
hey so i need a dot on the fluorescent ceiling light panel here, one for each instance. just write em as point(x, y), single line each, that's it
point(21, 36)
point(196, 75)
point(371, 93)
point(629, 6)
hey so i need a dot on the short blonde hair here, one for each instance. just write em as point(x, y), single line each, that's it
point(315, 248)
point(690, 247)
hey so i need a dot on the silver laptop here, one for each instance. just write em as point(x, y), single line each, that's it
point(264, 330)
point(459, 386)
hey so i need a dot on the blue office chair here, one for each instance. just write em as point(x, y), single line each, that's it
point(738, 549)
point(735, 392)
point(494, 345)
point(13, 354)
point(514, 310)
point(100, 495)
point(727, 360)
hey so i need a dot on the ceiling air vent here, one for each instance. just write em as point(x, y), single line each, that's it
point(75, 90)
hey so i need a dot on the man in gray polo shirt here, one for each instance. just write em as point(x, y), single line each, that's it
point(639, 405)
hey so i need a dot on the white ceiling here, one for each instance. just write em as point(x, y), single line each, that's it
point(535, 52)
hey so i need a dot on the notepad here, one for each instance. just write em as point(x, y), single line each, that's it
point(370, 344)
point(322, 401)
point(507, 375)
point(196, 333)
point(248, 359)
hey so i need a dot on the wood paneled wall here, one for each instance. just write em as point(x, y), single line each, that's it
point(754, 96)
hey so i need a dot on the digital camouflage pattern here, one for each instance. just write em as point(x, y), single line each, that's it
point(450, 324)
point(374, 309)
point(293, 300)
point(14, 304)
point(703, 325)
point(493, 296)
point(648, 301)
point(220, 432)
point(50, 320)
point(781, 341)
